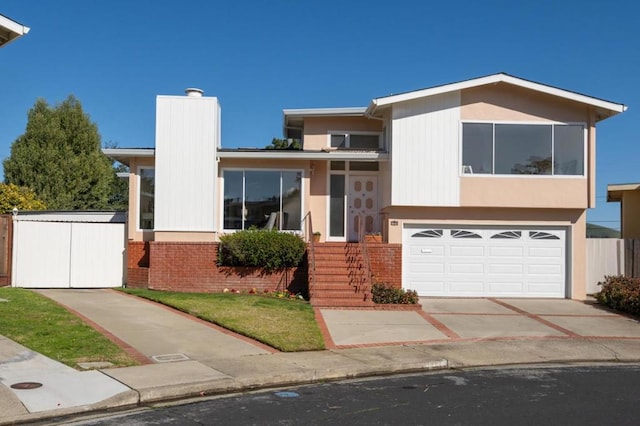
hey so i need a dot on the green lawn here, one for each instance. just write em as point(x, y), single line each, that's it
point(44, 326)
point(287, 325)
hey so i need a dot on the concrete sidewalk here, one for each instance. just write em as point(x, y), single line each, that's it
point(446, 333)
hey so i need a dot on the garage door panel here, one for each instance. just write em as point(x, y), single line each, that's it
point(466, 251)
point(506, 251)
point(465, 288)
point(506, 268)
point(421, 249)
point(505, 288)
point(427, 268)
point(486, 262)
point(466, 268)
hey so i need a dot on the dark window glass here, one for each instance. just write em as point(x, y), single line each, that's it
point(522, 149)
point(477, 148)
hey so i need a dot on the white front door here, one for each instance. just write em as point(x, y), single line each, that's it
point(362, 202)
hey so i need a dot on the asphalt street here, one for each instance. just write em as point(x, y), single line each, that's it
point(579, 395)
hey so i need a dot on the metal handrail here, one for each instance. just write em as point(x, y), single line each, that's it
point(312, 251)
point(365, 252)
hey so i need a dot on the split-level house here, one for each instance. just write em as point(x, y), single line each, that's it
point(478, 188)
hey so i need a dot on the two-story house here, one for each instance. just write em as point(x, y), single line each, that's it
point(479, 188)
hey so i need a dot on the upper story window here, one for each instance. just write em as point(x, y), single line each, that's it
point(146, 191)
point(267, 199)
point(366, 141)
point(523, 149)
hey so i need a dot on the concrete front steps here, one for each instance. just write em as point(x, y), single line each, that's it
point(340, 277)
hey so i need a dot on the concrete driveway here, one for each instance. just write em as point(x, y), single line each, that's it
point(449, 320)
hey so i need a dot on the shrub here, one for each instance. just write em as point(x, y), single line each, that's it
point(270, 250)
point(620, 293)
point(385, 294)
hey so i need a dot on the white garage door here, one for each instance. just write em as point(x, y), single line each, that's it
point(484, 262)
point(68, 254)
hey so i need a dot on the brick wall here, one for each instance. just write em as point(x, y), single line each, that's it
point(137, 277)
point(191, 267)
point(137, 254)
point(386, 262)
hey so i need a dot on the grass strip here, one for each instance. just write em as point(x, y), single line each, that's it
point(287, 325)
point(42, 325)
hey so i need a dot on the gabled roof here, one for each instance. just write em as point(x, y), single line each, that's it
point(10, 30)
point(605, 108)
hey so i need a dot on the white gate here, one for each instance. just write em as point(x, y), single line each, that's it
point(71, 249)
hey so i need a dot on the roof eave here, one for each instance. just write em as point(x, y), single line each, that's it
point(611, 107)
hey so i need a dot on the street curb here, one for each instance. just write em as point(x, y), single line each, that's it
point(137, 398)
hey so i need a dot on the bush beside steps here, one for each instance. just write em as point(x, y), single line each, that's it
point(385, 294)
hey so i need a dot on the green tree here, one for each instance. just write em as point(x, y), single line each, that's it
point(284, 144)
point(59, 158)
point(12, 196)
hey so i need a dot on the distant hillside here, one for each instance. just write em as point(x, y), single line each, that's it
point(597, 231)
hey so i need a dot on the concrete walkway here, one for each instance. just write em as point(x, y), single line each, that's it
point(445, 333)
point(458, 320)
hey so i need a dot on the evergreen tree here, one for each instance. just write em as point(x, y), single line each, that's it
point(59, 158)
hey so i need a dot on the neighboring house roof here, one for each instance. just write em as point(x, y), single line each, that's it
point(604, 108)
point(10, 30)
point(615, 190)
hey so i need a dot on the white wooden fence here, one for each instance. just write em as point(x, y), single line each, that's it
point(605, 256)
point(68, 250)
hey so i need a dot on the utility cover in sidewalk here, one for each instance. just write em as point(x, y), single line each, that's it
point(170, 358)
point(26, 385)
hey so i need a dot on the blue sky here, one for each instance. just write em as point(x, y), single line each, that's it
point(259, 57)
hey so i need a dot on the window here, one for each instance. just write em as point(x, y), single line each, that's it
point(522, 149)
point(146, 190)
point(262, 199)
point(460, 233)
point(364, 141)
point(428, 233)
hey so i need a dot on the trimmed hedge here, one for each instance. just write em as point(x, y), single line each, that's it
point(270, 250)
point(620, 293)
point(385, 294)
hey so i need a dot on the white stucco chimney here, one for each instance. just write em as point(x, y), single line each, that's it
point(194, 92)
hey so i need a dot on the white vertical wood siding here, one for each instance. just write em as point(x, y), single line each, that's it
point(187, 132)
point(97, 255)
point(41, 254)
point(425, 152)
point(65, 254)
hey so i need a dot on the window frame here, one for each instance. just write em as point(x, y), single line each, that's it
point(461, 169)
point(139, 196)
point(260, 169)
point(347, 135)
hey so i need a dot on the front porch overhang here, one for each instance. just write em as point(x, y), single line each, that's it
point(338, 155)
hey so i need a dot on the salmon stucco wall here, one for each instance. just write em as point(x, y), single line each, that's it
point(316, 129)
point(507, 103)
point(134, 233)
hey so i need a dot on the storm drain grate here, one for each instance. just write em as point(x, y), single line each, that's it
point(170, 358)
point(26, 385)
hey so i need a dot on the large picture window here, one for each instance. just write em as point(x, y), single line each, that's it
point(146, 189)
point(523, 149)
point(265, 199)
